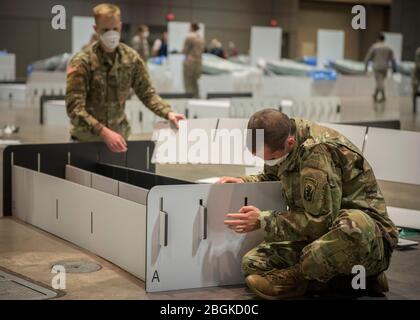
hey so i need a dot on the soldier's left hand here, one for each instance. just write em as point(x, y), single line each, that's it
point(246, 220)
point(175, 117)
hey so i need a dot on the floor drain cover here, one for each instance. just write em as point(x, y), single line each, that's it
point(78, 266)
point(13, 287)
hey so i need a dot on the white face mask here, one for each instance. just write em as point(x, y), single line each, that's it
point(110, 39)
point(146, 34)
point(275, 162)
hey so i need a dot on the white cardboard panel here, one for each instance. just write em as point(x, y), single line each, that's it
point(265, 43)
point(104, 184)
point(405, 218)
point(172, 145)
point(119, 233)
point(394, 154)
point(84, 216)
point(132, 193)
point(82, 30)
point(196, 262)
point(355, 134)
point(55, 113)
point(79, 176)
point(330, 45)
point(208, 108)
point(395, 41)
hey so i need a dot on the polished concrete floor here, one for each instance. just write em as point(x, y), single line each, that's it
point(31, 252)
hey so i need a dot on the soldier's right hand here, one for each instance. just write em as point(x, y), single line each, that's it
point(230, 180)
point(114, 141)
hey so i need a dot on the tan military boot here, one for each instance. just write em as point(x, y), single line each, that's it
point(279, 283)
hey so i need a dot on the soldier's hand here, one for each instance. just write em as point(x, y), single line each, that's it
point(230, 180)
point(114, 141)
point(175, 117)
point(246, 220)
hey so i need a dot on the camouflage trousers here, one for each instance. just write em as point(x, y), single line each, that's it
point(353, 239)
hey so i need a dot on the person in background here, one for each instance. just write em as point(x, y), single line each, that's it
point(160, 46)
point(140, 42)
point(216, 48)
point(233, 51)
point(193, 49)
point(381, 56)
point(416, 78)
point(99, 79)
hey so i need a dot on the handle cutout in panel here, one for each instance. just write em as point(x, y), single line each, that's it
point(203, 219)
point(163, 228)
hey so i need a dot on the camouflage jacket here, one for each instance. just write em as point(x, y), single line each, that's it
point(324, 174)
point(98, 87)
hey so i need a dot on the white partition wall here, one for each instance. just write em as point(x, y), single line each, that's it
point(176, 239)
point(196, 246)
point(7, 66)
point(81, 32)
point(395, 41)
point(394, 155)
point(330, 45)
point(356, 134)
point(265, 43)
point(84, 216)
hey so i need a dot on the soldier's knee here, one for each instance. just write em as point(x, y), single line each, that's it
point(356, 224)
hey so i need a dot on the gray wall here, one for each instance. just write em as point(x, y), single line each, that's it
point(25, 24)
point(405, 18)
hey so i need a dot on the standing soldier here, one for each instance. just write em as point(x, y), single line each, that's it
point(416, 78)
point(381, 55)
point(336, 217)
point(140, 42)
point(99, 79)
point(193, 48)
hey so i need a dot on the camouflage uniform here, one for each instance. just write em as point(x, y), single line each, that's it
point(98, 87)
point(381, 55)
point(336, 216)
point(193, 48)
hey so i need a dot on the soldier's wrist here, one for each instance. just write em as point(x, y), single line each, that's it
point(262, 217)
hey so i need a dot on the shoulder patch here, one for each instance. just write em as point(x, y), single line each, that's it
point(309, 189)
point(71, 69)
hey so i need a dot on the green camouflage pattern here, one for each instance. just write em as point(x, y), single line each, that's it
point(98, 87)
point(336, 212)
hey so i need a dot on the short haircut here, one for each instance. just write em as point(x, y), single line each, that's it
point(276, 125)
point(106, 10)
point(195, 26)
point(142, 28)
point(381, 37)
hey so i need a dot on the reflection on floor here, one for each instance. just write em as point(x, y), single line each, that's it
point(31, 253)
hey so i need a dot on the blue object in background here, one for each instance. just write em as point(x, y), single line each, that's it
point(29, 69)
point(3, 52)
point(158, 60)
point(311, 61)
point(327, 74)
